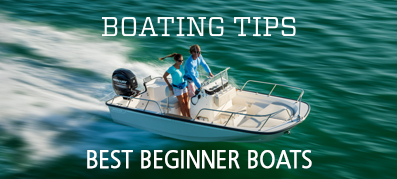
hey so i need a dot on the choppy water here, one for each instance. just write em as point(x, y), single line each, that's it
point(55, 71)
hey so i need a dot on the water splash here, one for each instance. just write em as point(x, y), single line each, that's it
point(54, 84)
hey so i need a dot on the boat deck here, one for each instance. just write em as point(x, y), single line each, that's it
point(245, 110)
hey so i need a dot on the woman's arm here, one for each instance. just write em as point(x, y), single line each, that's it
point(166, 80)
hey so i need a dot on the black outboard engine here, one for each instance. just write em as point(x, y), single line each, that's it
point(124, 82)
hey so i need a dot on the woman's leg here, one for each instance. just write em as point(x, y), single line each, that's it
point(182, 105)
point(186, 100)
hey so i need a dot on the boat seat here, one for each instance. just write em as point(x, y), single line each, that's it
point(155, 89)
point(273, 121)
point(223, 116)
point(173, 102)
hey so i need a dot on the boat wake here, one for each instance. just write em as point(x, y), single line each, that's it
point(54, 84)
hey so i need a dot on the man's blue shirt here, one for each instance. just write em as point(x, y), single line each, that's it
point(191, 69)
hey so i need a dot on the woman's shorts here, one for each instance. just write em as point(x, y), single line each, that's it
point(178, 92)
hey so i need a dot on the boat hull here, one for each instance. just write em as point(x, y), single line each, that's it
point(185, 129)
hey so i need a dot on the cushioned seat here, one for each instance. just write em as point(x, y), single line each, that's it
point(236, 118)
point(173, 102)
point(273, 121)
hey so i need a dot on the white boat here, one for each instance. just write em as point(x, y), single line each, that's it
point(221, 113)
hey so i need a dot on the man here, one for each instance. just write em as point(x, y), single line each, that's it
point(191, 65)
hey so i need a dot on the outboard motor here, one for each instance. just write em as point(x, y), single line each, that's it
point(124, 82)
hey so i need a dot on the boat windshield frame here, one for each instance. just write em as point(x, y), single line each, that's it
point(223, 75)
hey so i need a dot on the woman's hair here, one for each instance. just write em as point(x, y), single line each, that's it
point(176, 56)
point(194, 48)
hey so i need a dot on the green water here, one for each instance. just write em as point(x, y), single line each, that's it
point(55, 73)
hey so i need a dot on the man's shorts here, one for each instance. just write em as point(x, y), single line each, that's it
point(191, 88)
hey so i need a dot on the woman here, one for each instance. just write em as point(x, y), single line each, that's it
point(178, 83)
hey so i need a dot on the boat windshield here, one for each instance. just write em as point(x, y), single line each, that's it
point(222, 76)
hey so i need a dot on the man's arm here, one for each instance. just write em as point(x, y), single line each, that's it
point(192, 74)
point(194, 78)
point(205, 66)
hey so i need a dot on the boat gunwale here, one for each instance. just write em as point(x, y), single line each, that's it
point(218, 126)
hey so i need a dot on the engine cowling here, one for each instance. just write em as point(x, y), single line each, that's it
point(124, 82)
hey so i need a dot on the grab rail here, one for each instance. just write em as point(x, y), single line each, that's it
point(298, 100)
point(253, 115)
point(148, 101)
point(275, 84)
